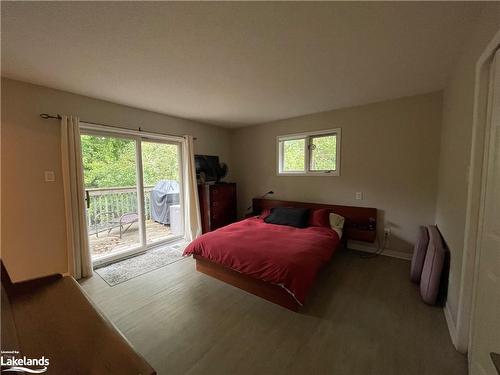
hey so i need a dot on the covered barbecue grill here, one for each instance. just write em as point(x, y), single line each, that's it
point(163, 195)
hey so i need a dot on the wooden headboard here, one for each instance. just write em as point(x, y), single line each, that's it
point(357, 218)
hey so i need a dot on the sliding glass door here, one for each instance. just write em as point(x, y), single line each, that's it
point(133, 192)
point(162, 187)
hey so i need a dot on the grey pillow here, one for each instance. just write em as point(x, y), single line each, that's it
point(433, 266)
point(417, 261)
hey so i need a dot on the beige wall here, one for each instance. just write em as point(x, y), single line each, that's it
point(33, 226)
point(389, 152)
point(456, 146)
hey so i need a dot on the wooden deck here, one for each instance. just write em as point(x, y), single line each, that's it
point(109, 243)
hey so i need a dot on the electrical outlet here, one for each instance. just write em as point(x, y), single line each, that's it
point(359, 195)
point(387, 232)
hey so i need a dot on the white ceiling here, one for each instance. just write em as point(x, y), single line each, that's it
point(235, 64)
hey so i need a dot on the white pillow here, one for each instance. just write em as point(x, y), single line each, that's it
point(337, 223)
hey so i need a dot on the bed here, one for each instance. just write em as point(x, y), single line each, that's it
point(276, 262)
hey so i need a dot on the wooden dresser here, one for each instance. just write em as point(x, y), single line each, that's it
point(217, 205)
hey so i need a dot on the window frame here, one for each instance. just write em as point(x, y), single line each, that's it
point(307, 136)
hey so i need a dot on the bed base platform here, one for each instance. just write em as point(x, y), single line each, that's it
point(360, 225)
point(270, 292)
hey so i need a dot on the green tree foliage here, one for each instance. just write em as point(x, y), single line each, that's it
point(160, 162)
point(110, 162)
point(293, 155)
point(323, 155)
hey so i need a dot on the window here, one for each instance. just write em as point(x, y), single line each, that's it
point(309, 154)
point(133, 185)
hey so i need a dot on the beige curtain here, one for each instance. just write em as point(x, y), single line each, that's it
point(192, 219)
point(79, 260)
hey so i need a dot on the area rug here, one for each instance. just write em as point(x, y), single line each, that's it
point(151, 260)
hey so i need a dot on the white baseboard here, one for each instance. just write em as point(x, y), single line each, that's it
point(386, 252)
point(450, 323)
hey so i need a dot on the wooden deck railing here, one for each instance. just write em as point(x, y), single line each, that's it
point(115, 200)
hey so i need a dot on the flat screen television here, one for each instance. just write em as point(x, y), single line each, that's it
point(208, 165)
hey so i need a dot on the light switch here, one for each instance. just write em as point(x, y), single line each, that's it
point(50, 176)
point(359, 195)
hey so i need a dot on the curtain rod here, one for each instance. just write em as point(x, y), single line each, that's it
point(46, 116)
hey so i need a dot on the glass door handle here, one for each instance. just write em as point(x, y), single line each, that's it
point(87, 198)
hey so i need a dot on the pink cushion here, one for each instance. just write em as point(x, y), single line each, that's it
point(417, 261)
point(433, 266)
point(320, 218)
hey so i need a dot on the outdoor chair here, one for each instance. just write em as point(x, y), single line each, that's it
point(124, 222)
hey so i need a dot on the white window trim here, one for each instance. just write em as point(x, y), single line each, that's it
point(287, 137)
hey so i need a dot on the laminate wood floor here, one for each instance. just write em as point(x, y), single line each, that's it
point(362, 317)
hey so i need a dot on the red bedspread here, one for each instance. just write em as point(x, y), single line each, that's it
point(278, 254)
